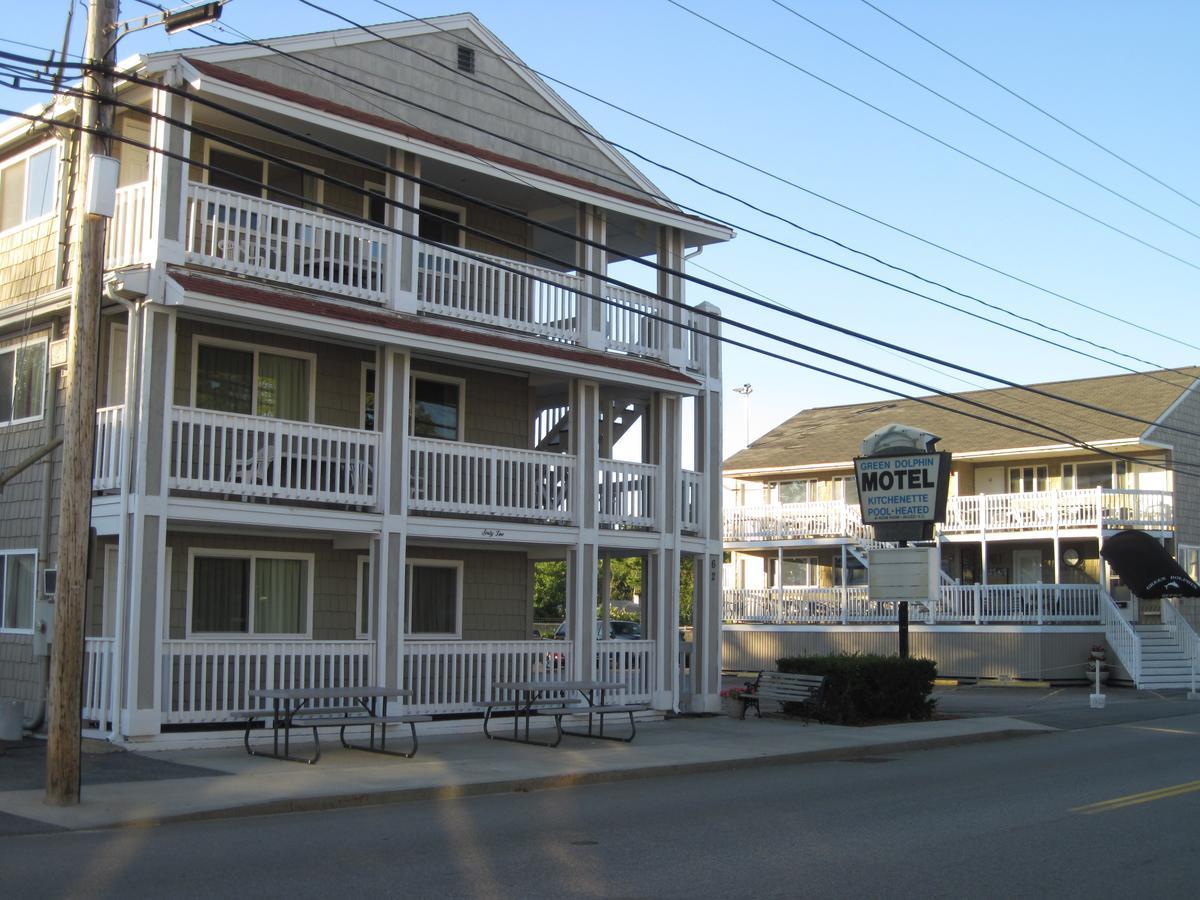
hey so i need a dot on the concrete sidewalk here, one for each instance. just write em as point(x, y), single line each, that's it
point(166, 786)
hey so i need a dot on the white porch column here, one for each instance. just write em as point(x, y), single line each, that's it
point(706, 634)
point(168, 178)
point(388, 577)
point(402, 257)
point(670, 254)
point(592, 225)
point(144, 579)
point(668, 444)
point(582, 558)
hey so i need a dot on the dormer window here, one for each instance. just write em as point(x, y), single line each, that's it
point(466, 59)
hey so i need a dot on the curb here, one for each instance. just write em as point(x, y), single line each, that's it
point(553, 782)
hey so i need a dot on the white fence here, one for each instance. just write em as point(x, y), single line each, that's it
point(106, 465)
point(477, 289)
point(205, 681)
point(128, 234)
point(1007, 603)
point(457, 676)
point(626, 493)
point(96, 703)
point(454, 477)
point(629, 662)
point(691, 502)
point(253, 236)
point(250, 456)
point(633, 322)
point(1122, 637)
point(787, 521)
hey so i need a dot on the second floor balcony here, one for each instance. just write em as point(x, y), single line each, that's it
point(1095, 509)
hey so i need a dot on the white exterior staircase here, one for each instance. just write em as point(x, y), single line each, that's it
point(1166, 662)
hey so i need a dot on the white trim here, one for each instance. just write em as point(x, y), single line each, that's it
point(114, 330)
point(15, 346)
point(264, 176)
point(255, 349)
point(32, 597)
point(456, 564)
point(415, 376)
point(253, 556)
point(56, 180)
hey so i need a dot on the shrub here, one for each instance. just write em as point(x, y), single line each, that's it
point(863, 688)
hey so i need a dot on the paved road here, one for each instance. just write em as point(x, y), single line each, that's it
point(988, 820)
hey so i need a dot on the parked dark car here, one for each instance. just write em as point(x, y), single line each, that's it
point(617, 631)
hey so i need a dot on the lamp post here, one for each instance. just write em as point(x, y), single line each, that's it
point(746, 390)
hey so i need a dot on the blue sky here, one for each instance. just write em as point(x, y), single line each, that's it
point(1122, 73)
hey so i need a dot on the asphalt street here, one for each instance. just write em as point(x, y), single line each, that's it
point(1081, 813)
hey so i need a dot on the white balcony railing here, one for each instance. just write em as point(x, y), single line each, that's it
point(633, 322)
point(454, 477)
point(253, 236)
point(128, 236)
point(205, 681)
point(968, 514)
point(691, 502)
point(250, 456)
point(1031, 604)
point(96, 703)
point(629, 662)
point(106, 465)
point(626, 493)
point(477, 289)
point(457, 676)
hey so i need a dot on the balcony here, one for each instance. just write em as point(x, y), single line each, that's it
point(957, 604)
point(976, 514)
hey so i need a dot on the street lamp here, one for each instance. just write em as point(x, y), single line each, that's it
point(746, 390)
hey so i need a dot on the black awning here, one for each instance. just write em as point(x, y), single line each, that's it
point(1145, 566)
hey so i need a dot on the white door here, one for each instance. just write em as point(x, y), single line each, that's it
point(989, 480)
point(1027, 567)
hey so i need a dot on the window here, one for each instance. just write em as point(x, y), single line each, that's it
point(375, 203)
point(239, 593)
point(440, 223)
point(1026, 479)
point(435, 598)
point(856, 573)
point(1086, 476)
point(796, 491)
point(17, 581)
point(22, 382)
point(238, 379)
point(798, 571)
point(437, 408)
point(235, 171)
point(363, 630)
point(368, 397)
point(245, 174)
point(28, 188)
point(466, 59)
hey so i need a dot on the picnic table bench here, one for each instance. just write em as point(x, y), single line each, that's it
point(528, 699)
point(782, 687)
point(293, 708)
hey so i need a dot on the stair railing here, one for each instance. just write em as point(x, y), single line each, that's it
point(1182, 632)
point(1121, 636)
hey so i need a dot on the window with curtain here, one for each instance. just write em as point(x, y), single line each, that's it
point(433, 600)
point(17, 570)
point(255, 594)
point(253, 382)
point(435, 409)
point(22, 383)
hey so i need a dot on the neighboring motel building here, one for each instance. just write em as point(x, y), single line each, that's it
point(334, 434)
point(1024, 592)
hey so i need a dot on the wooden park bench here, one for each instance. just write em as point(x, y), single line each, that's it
point(782, 687)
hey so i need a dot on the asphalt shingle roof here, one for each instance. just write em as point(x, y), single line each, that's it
point(832, 434)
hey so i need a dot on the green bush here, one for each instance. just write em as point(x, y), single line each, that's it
point(868, 688)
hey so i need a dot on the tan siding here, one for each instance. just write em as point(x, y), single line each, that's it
point(497, 406)
point(959, 654)
point(19, 677)
point(497, 596)
point(27, 257)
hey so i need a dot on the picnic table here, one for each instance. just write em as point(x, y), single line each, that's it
point(550, 698)
point(341, 707)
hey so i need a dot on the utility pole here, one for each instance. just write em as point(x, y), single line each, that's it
point(79, 429)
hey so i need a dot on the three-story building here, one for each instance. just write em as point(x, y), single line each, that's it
point(360, 371)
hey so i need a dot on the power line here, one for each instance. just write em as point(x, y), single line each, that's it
point(985, 121)
point(935, 139)
point(1032, 105)
point(1049, 432)
point(513, 60)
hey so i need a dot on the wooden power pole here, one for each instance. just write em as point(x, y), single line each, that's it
point(79, 430)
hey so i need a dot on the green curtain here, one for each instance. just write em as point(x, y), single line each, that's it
point(283, 387)
point(434, 600)
point(279, 596)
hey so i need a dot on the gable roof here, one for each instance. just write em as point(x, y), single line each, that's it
point(831, 435)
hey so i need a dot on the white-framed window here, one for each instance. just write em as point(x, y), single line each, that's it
point(1027, 479)
point(798, 491)
point(118, 356)
point(437, 407)
point(23, 381)
point(238, 592)
point(1088, 475)
point(434, 598)
point(236, 170)
point(29, 187)
point(18, 587)
point(229, 376)
point(363, 605)
point(367, 404)
point(440, 223)
point(797, 571)
point(375, 207)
